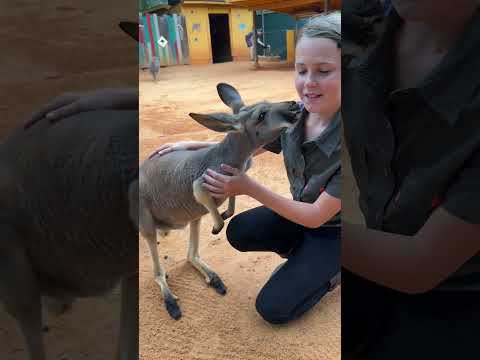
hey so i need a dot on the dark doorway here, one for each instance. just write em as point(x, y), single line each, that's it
point(220, 37)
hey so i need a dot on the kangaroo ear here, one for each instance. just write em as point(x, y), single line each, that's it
point(131, 28)
point(218, 122)
point(230, 97)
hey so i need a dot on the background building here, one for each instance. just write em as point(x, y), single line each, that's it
point(214, 31)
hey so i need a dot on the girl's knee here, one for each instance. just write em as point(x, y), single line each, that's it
point(275, 310)
point(271, 311)
point(236, 234)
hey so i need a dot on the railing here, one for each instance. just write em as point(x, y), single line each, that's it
point(164, 37)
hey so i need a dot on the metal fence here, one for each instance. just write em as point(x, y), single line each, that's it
point(164, 37)
point(150, 4)
point(272, 29)
point(275, 44)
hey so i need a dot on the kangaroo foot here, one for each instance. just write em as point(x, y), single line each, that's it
point(217, 284)
point(173, 308)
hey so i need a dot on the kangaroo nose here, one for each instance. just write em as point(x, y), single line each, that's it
point(293, 111)
point(294, 106)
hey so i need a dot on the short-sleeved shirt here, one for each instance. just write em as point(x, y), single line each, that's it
point(417, 148)
point(249, 39)
point(312, 166)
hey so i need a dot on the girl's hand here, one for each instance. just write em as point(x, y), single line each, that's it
point(180, 145)
point(221, 186)
point(73, 103)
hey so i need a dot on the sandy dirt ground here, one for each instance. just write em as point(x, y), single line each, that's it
point(214, 327)
point(50, 48)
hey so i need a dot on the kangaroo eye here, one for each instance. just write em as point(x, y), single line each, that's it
point(261, 117)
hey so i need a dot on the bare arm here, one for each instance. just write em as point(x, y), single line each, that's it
point(306, 214)
point(411, 264)
point(181, 145)
point(73, 103)
point(190, 145)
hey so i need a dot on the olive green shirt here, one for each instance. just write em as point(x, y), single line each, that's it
point(418, 148)
point(312, 166)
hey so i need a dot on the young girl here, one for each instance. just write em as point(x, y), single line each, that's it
point(305, 230)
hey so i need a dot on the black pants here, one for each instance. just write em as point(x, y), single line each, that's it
point(313, 260)
point(379, 323)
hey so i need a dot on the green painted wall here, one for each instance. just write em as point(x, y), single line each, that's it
point(146, 5)
point(275, 25)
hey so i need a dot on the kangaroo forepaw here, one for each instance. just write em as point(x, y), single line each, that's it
point(218, 284)
point(216, 229)
point(226, 215)
point(173, 308)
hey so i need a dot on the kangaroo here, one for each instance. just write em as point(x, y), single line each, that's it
point(171, 195)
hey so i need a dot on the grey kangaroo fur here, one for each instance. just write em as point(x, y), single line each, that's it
point(67, 195)
point(170, 186)
point(68, 219)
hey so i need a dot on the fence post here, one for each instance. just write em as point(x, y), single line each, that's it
point(290, 46)
point(255, 57)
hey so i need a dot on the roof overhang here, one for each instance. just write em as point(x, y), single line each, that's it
point(207, 2)
point(297, 8)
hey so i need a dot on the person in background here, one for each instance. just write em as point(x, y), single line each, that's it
point(249, 41)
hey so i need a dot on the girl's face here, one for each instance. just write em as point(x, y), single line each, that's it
point(318, 75)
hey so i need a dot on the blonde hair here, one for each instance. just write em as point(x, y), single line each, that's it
point(327, 25)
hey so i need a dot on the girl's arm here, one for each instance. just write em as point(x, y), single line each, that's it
point(309, 215)
point(306, 214)
point(73, 103)
point(411, 264)
point(181, 145)
point(190, 145)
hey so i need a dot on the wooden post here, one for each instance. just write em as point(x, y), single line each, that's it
point(326, 5)
point(290, 46)
point(255, 56)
